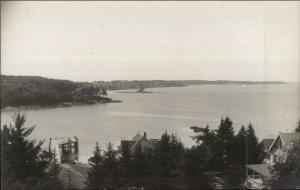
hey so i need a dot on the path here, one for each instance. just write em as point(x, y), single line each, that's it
point(74, 175)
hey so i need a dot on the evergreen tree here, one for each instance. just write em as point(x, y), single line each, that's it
point(139, 165)
point(197, 160)
point(110, 168)
point(53, 173)
point(238, 160)
point(207, 139)
point(95, 174)
point(224, 149)
point(178, 156)
point(163, 157)
point(125, 160)
point(23, 164)
point(240, 149)
point(256, 153)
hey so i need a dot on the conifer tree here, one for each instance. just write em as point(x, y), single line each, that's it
point(53, 173)
point(95, 174)
point(163, 156)
point(125, 160)
point(206, 138)
point(139, 165)
point(110, 168)
point(224, 145)
point(255, 150)
point(240, 149)
point(23, 164)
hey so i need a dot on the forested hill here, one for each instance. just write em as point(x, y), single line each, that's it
point(40, 91)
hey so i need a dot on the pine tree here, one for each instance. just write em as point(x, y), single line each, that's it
point(125, 160)
point(110, 168)
point(95, 174)
point(23, 163)
point(224, 149)
point(53, 173)
point(177, 155)
point(139, 166)
point(255, 150)
point(163, 157)
point(240, 149)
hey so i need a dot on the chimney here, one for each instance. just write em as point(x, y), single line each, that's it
point(145, 135)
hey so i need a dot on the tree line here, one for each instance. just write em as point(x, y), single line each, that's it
point(39, 91)
point(217, 157)
point(171, 165)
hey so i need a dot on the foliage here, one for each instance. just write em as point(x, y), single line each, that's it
point(126, 160)
point(225, 141)
point(286, 174)
point(24, 165)
point(226, 152)
point(95, 174)
point(39, 91)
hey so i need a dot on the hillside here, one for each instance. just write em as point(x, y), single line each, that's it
point(38, 91)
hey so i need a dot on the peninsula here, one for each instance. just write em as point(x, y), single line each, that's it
point(17, 91)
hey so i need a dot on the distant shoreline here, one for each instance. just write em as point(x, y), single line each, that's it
point(61, 105)
point(34, 92)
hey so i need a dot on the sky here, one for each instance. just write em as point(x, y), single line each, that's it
point(89, 41)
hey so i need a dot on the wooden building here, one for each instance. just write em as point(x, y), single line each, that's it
point(65, 150)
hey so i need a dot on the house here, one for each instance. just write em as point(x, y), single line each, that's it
point(140, 140)
point(267, 143)
point(255, 175)
point(65, 150)
point(277, 150)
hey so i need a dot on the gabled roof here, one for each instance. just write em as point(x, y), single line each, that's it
point(137, 137)
point(262, 169)
point(267, 142)
point(286, 138)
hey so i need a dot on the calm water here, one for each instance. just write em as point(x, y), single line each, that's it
point(270, 108)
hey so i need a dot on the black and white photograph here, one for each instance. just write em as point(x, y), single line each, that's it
point(140, 95)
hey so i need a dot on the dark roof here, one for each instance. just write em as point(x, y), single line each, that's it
point(262, 169)
point(267, 142)
point(288, 138)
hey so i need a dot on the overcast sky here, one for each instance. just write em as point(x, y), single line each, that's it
point(87, 41)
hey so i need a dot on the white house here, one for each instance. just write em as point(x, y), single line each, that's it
point(281, 145)
point(277, 151)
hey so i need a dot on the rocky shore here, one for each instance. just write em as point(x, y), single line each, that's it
point(64, 104)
